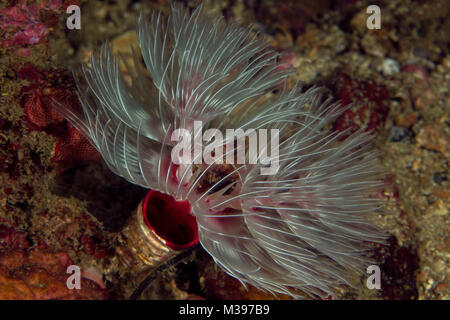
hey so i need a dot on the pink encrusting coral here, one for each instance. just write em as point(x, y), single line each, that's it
point(44, 90)
point(38, 273)
point(303, 229)
point(22, 23)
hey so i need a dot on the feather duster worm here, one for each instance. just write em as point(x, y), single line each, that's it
point(302, 230)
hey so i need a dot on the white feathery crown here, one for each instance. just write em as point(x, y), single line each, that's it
point(303, 230)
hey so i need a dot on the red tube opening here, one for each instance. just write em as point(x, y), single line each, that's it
point(170, 219)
